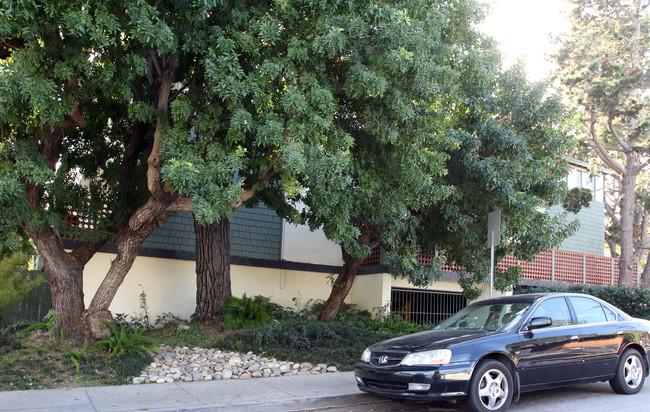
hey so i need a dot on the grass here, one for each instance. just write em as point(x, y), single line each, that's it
point(287, 336)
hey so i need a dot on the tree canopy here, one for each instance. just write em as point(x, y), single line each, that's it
point(512, 137)
point(603, 65)
point(114, 114)
point(475, 141)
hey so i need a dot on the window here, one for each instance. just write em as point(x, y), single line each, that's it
point(584, 179)
point(610, 314)
point(588, 310)
point(556, 309)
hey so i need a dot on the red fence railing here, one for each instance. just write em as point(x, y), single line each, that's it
point(550, 265)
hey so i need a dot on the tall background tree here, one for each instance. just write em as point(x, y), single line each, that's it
point(512, 137)
point(454, 140)
point(603, 63)
point(393, 79)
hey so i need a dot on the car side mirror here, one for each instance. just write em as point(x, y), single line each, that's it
point(538, 323)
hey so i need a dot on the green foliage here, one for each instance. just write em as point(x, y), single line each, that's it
point(244, 312)
point(24, 369)
point(192, 335)
point(631, 300)
point(8, 337)
point(51, 323)
point(15, 281)
point(392, 323)
point(120, 342)
point(52, 320)
point(603, 66)
point(576, 199)
point(512, 135)
point(77, 354)
point(302, 337)
point(130, 324)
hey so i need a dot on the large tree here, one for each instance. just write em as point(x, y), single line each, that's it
point(603, 62)
point(475, 141)
point(394, 87)
point(118, 113)
point(513, 135)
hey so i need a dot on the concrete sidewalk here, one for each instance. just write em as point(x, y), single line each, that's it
point(293, 393)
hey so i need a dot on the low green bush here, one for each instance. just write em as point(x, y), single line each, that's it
point(120, 342)
point(302, 337)
point(244, 312)
point(192, 335)
point(631, 300)
point(394, 324)
point(8, 336)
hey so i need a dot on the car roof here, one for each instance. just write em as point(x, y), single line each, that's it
point(532, 297)
point(527, 297)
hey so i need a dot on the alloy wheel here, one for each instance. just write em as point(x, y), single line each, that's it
point(493, 389)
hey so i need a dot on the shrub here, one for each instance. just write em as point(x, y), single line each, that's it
point(393, 324)
point(15, 281)
point(244, 312)
point(192, 335)
point(301, 337)
point(631, 300)
point(121, 342)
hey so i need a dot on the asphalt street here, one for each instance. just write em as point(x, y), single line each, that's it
point(597, 397)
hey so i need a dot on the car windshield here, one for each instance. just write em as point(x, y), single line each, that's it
point(488, 316)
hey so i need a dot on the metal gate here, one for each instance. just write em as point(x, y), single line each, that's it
point(425, 307)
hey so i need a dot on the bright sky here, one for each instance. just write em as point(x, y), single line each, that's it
point(523, 29)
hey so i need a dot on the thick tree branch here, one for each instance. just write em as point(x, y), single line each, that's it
point(154, 182)
point(601, 151)
point(610, 124)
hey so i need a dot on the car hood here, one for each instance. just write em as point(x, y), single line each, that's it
point(427, 340)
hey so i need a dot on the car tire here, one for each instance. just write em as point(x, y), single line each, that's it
point(630, 373)
point(491, 388)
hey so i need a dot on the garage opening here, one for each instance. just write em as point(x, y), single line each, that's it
point(425, 307)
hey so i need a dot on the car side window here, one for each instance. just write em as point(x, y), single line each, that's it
point(588, 310)
point(610, 314)
point(556, 309)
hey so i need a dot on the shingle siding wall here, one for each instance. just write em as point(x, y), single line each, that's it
point(254, 233)
point(177, 233)
point(590, 238)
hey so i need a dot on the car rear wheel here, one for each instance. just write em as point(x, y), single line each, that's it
point(630, 373)
point(490, 388)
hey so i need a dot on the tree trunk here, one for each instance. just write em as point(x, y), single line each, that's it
point(212, 269)
point(65, 275)
point(127, 244)
point(626, 262)
point(341, 287)
point(66, 283)
point(645, 275)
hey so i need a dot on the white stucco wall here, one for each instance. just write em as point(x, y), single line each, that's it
point(170, 286)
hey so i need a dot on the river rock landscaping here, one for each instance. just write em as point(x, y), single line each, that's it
point(173, 364)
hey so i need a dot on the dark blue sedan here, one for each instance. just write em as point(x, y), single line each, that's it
point(491, 351)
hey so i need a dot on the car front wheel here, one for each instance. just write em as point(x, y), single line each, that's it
point(490, 388)
point(630, 373)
